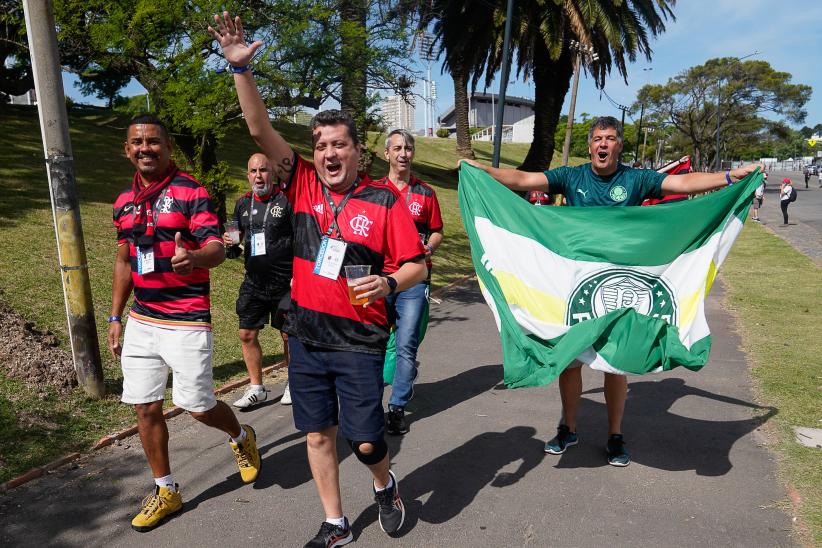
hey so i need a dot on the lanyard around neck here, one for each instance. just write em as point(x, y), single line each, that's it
point(265, 215)
point(335, 210)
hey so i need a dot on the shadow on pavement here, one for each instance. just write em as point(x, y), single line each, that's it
point(453, 480)
point(432, 398)
point(658, 438)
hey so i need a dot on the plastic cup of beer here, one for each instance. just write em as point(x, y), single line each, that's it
point(233, 230)
point(353, 274)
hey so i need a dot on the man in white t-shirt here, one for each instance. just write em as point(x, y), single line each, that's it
point(759, 197)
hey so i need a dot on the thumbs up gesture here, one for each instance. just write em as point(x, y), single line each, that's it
point(181, 262)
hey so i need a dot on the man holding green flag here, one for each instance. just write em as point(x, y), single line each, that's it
point(602, 182)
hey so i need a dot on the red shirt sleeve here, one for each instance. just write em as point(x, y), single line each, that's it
point(434, 216)
point(402, 242)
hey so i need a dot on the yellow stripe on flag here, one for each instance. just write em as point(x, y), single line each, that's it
point(541, 306)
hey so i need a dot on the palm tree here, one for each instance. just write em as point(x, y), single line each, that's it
point(541, 34)
point(464, 31)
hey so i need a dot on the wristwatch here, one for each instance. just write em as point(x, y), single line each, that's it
point(114, 319)
point(392, 284)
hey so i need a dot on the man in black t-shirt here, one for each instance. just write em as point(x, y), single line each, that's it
point(264, 218)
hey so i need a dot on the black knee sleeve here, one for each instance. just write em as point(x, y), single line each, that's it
point(375, 456)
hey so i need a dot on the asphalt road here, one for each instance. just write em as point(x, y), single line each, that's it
point(472, 470)
point(804, 230)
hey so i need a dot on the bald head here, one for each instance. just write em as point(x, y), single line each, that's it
point(260, 174)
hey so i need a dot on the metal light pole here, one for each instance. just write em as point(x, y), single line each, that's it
point(569, 126)
point(427, 54)
point(506, 66)
point(718, 113)
point(590, 56)
point(65, 206)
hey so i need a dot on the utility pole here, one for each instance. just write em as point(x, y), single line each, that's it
point(506, 66)
point(578, 50)
point(641, 114)
point(65, 206)
point(569, 126)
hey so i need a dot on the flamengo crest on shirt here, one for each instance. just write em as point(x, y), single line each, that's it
point(361, 225)
point(415, 208)
point(616, 288)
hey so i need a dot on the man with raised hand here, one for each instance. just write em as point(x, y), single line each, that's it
point(264, 218)
point(408, 307)
point(168, 239)
point(337, 347)
point(605, 182)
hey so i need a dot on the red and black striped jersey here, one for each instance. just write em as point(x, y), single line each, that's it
point(164, 297)
point(423, 206)
point(378, 229)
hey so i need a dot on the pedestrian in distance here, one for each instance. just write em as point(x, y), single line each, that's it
point(407, 309)
point(168, 238)
point(807, 173)
point(263, 218)
point(605, 182)
point(758, 199)
point(345, 225)
point(787, 194)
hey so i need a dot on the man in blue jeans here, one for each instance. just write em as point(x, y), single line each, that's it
point(408, 308)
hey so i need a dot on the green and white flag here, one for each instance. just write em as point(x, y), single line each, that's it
point(619, 288)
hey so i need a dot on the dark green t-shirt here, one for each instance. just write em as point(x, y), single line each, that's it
point(625, 187)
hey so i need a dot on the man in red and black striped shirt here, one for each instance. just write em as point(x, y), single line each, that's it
point(336, 347)
point(409, 308)
point(168, 238)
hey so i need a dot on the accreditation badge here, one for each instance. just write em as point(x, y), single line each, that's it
point(145, 260)
point(330, 258)
point(258, 244)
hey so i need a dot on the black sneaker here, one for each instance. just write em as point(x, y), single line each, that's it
point(395, 423)
point(617, 454)
point(391, 508)
point(564, 439)
point(331, 535)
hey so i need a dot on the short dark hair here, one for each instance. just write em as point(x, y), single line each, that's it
point(334, 117)
point(606, 122)
point(149, 120)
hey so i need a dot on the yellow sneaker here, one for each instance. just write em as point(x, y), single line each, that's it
point(157, 507)
point(247, 455)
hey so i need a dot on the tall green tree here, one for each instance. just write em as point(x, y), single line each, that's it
point(747, 92)
point(542, 31)
point(16, 76)
point(312, 49)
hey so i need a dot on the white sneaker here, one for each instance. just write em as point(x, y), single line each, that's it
point(252, 397)
point(286, 399)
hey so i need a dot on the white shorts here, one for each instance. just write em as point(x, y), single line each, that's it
point(148, 353)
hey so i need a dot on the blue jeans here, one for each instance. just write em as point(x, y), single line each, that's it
point(407, 307)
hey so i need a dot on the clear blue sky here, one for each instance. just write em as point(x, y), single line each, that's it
point(788, 34)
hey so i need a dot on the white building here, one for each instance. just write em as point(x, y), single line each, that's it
point(398, 112)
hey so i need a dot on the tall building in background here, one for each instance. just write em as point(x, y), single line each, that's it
point(398, 112)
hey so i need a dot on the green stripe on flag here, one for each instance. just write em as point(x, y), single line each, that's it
point(620, 288)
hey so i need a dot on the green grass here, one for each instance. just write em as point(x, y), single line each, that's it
point(775, 293)
point(46, 425)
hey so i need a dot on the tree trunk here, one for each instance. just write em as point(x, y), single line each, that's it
point(353, 92)
point(460, 78)
point(551, 82)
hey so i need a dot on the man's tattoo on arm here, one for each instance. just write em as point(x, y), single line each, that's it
point(284, 168)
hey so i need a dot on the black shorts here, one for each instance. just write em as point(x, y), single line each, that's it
point(257, 304)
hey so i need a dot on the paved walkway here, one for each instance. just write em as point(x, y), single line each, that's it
point(472, 470)
point(804, 231)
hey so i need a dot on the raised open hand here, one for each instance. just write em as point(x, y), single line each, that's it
point(229, 35)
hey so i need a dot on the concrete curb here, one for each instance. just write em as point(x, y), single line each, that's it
point(105, 441)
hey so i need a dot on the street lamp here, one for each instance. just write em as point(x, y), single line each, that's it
point(590, 56)
point(719, 117)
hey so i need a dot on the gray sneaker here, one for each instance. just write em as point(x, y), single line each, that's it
point(564, 439)
point(391, 508)
point(251, 398)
